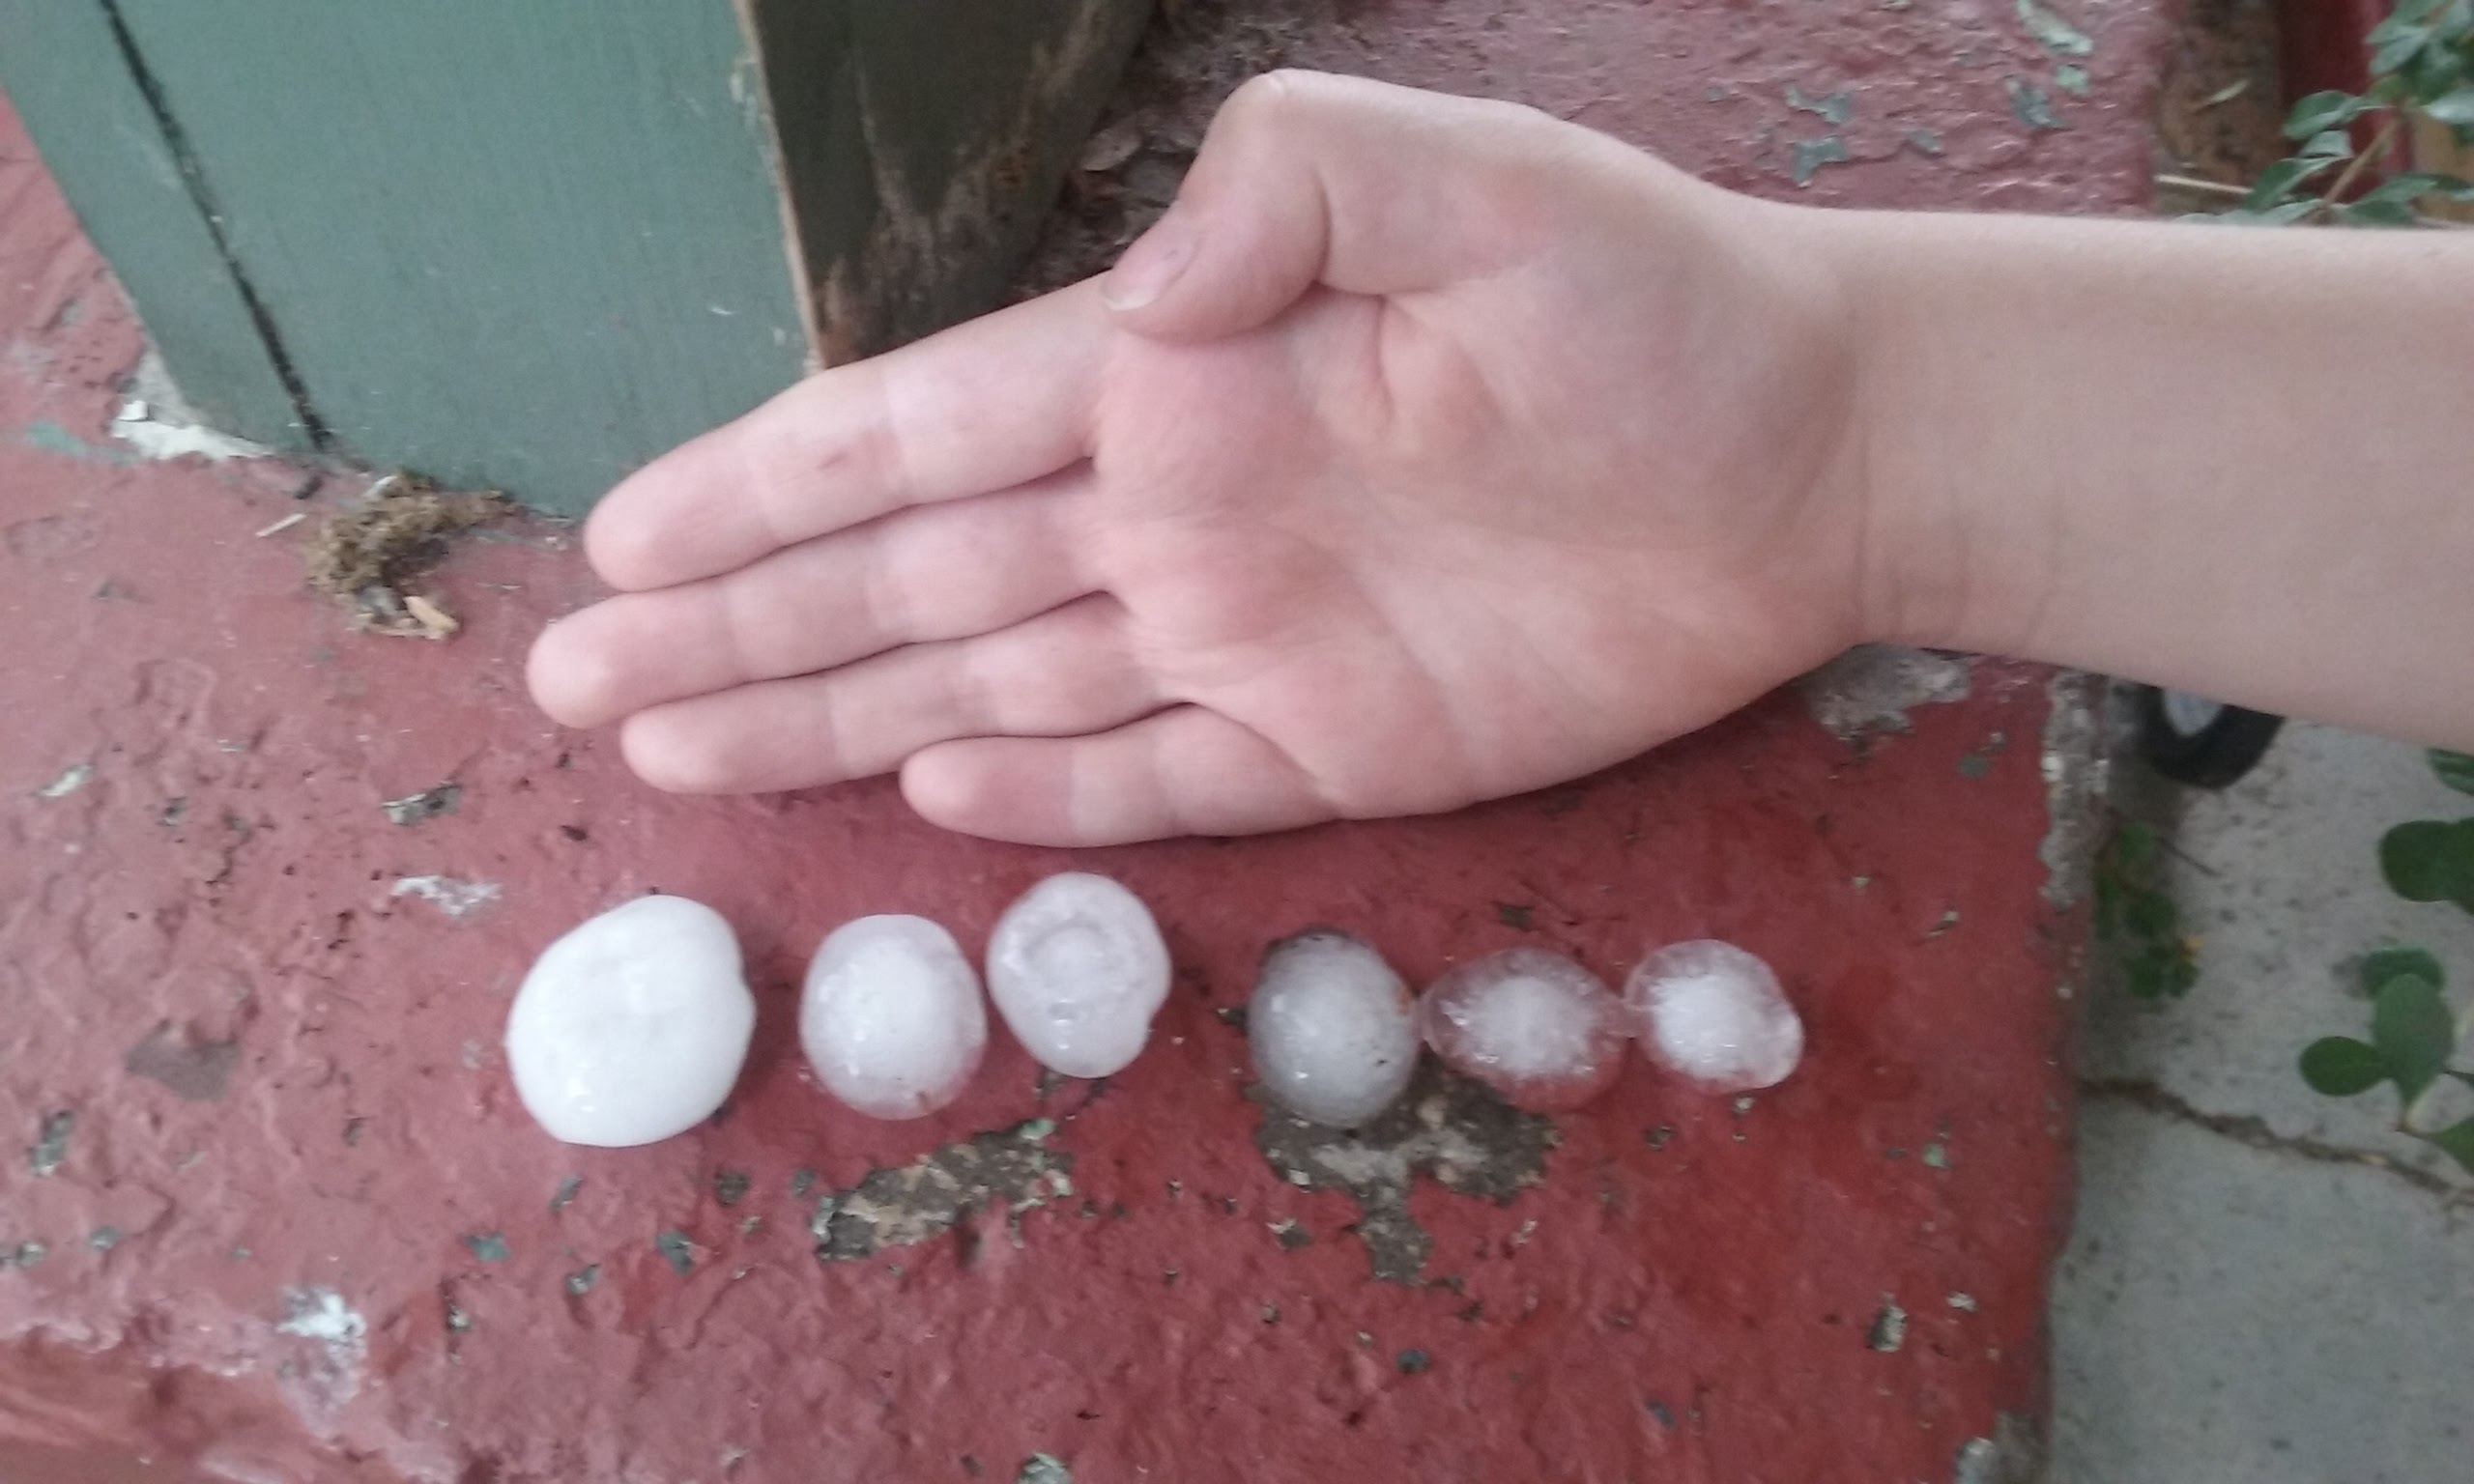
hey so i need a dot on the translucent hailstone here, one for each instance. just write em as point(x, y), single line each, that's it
point(1543, 1032)
point(1078, 970)
point(1714, 1015)
point(1331, 1027)
point(891, 1017)
point(633, 1026)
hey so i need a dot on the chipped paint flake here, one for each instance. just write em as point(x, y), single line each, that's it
point(1013, 1167)
point(75, 777)
point(167, 436)
point(454, 898)
point(1871, 688)
point(1444, 1127)
point(1889, 1328)
point(2032, 105)
point(321, 1314)
point(52, 1145)
point(1806, 157)
point(1836, 107)
point(2053, 31)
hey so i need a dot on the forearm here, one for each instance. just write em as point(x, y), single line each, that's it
point(2234, 461)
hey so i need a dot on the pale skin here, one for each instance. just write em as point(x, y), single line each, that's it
point(1432, 451)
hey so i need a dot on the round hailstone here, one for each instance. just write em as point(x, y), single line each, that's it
point(1543, 1032)
point(891, 1017)
point(1714, 1015)
point(633, 1026)
point(1331, 1027)
point(1078, 970)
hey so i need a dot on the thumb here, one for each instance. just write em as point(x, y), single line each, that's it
point(1309, 179)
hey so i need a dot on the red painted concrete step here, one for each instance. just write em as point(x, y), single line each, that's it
point(273, 1210)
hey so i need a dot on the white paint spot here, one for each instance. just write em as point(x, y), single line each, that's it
point(156, 438)
point(67, 783)
point(321, 1314)
point(449, 896)
point(1870, 688)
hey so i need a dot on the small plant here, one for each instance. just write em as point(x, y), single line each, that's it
point(2422, 68)
point(2414, 1035)
point(2135, 914)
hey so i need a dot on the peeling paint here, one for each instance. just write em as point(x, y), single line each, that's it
point(454, 898)
point(2052, 30)
point(67, 783)
point(428, 804)
point(1888, 1330)
point(2032, 105)
point(321, 1314)
point(2012, 1455)
point(158, 438)
point(51, 438)
point(2073, 762)
point(52, 1145)
point(903, 1207)
point(1838, 107)
point(1808, 156)
point(1870, 689)
point(1444, 1127)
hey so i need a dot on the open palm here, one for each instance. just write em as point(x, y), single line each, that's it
point(1429, 451)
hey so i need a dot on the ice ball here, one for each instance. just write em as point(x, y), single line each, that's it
point(1544, 1032)
point(1077, 969)
point(633, 1026)
point(891, 1017)
point(1714, 1015)
point(1333, 1029)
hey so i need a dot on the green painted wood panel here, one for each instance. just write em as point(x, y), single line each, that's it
point(531, 245)
point(63, 70)
point(526, 246)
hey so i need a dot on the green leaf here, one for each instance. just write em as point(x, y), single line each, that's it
point(2455, 769)
point(2393, 45)
point(2340, 1066)
point(2412, 185)
point(2434, 73)
point(2381, 965)
point(2455, 106)
point(2278, 181)
point(2414, 1032)
point(2135, 844)
point(2333, 144)
point(2457, 1141)
point(2108, 906)
point(2148, 914)
point(2322, 111)
point(2431, 860)
point(2415, 11)
point(2377, 214)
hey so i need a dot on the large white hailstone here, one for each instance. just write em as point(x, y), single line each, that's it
point(633, 1026)
point(891, 1017)
point(1714, 1015)
point(1543, 1032)
point(1078, 970)
point(1332, 1028)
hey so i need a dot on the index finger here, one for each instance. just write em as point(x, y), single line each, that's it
point(983, 406)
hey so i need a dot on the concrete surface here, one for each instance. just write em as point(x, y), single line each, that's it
point(2244, 1297)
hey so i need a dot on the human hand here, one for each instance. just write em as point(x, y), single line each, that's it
point(1428, 450)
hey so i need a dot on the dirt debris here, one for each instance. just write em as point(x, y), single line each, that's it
point(1192, 57)
point(1445, 1127)
point(365, 554)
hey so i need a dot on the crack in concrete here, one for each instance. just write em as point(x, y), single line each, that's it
point(2255, 1133)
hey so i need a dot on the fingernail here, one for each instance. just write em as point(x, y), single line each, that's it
point(1153, 263)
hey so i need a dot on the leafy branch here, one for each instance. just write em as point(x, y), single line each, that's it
point(2422, 68)
point(2414, 1035)
point(2134, 912)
